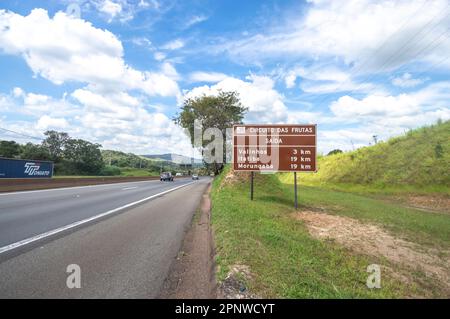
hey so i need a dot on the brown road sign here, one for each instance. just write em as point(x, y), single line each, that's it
point(281, 148)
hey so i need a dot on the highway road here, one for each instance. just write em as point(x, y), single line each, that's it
point(123, 237)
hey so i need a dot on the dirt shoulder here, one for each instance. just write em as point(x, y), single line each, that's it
point(23, 184)
point(192, 275)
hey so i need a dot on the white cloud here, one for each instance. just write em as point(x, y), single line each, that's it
point(142, 41)
point(159, 56)
point(195, 20)
point(36, 105)
point(290, 79)
point(110, 107)
point(110, 8)
point(115, 120)
point(118, 10)
point(63, 49)
point(370, 35)
point(18, 92)
point(432, 98)
point(375, 106)
point(46, 122)
point(265, 104)
point(173, 45)
point(385, 115)
point(325, 79)
point(207, 76)
point(406, 81)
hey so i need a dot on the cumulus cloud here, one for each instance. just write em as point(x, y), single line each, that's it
point(265, 104)
point(386, 115)
point(207, 76)
point(406, 81)
point(109, 108)
point(432, 98)
point(117, 120)
point(46, 122)
point(65, 49)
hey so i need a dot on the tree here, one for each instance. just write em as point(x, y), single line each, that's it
point(9, 149)
point(438, 150)
point(221, 112)
point(35, 152)
point(85, 156)
point(336, 151)
point(55, 143)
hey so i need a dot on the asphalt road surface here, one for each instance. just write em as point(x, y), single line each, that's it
point(123, 237)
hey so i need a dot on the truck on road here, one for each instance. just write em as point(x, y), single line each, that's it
point(19, 168)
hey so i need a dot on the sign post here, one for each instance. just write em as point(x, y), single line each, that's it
point(295, 190)
point(251, 185)
point(275, 148)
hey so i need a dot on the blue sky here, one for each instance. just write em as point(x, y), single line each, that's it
point(116, 71)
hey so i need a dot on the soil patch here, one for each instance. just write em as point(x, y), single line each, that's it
point(436, 203)
point(372, 240)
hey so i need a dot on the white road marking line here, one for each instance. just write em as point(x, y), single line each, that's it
point(128, 188)
point(75, 187)
point(81, 222)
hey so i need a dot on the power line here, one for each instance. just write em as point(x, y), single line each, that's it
point(405, 23)
point(405, 45)
point(21, 134)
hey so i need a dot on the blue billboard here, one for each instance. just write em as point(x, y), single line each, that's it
point(15, 168)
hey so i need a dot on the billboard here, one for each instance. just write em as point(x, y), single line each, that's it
point(276, 148)
point(15, 168)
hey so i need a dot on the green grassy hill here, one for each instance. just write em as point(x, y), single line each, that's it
point(419, 160)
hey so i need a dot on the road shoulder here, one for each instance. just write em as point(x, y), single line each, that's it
point(192, 274)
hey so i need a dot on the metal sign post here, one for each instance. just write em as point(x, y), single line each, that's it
point(251, 185)
point(295, 190)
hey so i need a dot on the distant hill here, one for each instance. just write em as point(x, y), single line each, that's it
point(420, 157)
point(121, 159)
point(175, 158)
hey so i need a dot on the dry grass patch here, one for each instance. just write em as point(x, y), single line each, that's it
point(373, 240)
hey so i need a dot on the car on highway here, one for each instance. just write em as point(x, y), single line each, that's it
point(195, 177)
point(166, 177)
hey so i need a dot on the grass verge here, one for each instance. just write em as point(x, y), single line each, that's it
point(287, 262)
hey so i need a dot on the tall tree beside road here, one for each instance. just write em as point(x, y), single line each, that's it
point(55, 143)
point(84, 156)
point(9, 149)
point(221, 111)
point(35, 152)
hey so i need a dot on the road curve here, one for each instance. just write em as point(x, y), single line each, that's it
point(125, 256)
